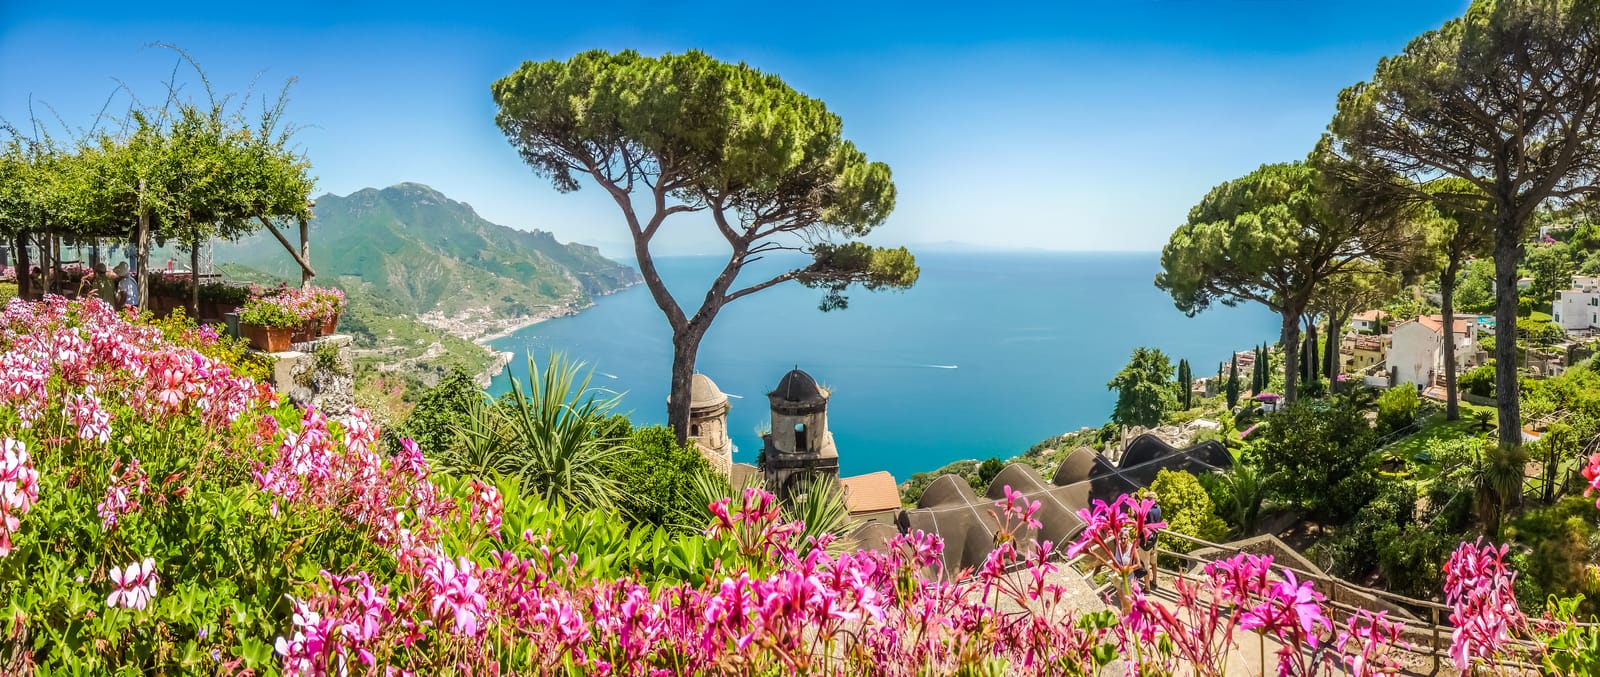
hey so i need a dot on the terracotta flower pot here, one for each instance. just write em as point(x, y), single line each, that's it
point(306, 331)
point(268, 339)
point(330, 324)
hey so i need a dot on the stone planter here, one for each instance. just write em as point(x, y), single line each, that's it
point(267, 339)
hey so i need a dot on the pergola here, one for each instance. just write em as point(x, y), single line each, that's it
point(186, 174)
point(139, 236)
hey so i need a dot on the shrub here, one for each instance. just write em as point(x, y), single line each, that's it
point(1310, 447)
point(1187, 509)
point(1478, 380)
point(543, 433)
point(433, 422)
point(1541, 332)
point(229, 295)
point(1397, 408)
point(1411, 558)
point(658, 475)
point(1560, 544)
point(1355, 548)
point(989, 469)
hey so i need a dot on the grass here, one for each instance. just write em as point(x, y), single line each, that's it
point(1435, 428)
point(7, 291)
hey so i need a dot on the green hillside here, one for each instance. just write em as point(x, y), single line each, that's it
point(427, 253)
point(391, 346)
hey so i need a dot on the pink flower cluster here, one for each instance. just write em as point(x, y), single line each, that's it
point(122, 495)
point(19, 489)
point(804, 610)
point(1242, 592)
point(357, 480)
point(56, 351)
point(486, 505)
point(1484, 611)
point(72, 364)
point(307, 303)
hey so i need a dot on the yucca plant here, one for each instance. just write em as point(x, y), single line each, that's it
point(1499, 472)
point(819, 505)
point(549, 434)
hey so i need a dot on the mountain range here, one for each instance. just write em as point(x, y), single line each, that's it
point(413, 245)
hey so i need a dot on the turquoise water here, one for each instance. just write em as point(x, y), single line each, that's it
point(988, 354)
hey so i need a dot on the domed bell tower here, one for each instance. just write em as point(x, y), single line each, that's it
point(799, 448)
point(708, 423)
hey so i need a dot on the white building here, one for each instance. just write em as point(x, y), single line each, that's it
point(1416, 352)
point(1579, 307)
point(1367, 321)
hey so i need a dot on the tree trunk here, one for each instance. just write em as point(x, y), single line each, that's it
point(1330, 349)
point(142, 251)
point(24, 279)
point(1552, 460)
point(305, 253)
point(194, 280)
point(1291, 355)
point(1310, 358)
point(685, 346)
point(1507, 253)
point(1447, 312)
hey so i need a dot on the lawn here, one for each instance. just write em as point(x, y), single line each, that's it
point(7, 291)
point(1435, 428)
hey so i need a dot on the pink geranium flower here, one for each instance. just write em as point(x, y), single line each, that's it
point(19, 489)
point(135, 585)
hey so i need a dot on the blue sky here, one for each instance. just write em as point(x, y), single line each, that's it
point(1069, 126)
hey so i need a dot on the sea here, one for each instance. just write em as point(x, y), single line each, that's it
point(988, 354)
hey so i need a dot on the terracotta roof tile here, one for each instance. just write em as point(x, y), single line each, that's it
point(1436, 323)
point(871, 492)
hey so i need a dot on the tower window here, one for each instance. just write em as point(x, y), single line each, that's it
point(799, 437)
point(694, 430)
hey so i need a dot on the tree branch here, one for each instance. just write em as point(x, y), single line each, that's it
point(777, 280)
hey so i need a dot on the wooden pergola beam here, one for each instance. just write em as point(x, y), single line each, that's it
point(305, 266)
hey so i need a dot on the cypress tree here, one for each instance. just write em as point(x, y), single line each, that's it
point(1186, 382)
point(1233, 382)
point(1314, 345)
point(1255, 368)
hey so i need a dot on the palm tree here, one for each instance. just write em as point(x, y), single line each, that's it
point(1499, 474)
point(1243, 495)
point(550, 434)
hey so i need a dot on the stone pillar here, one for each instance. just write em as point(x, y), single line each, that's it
point(318, 373)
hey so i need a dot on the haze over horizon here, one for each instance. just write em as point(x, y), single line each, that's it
point(1055, 128)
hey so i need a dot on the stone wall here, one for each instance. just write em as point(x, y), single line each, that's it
point(319, 373)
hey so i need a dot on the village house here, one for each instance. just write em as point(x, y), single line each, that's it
point(1367, 322)
point(873, 497)
point(1578, 308)
point(1360, 353)
point(1416, 349)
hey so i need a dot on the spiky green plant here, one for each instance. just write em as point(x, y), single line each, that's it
point(1243, 495)
point(820, 505)
point(549, 433)
point(1499, 473)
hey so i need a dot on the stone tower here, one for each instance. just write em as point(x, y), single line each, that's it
point(799, 447)
point(708, 423)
